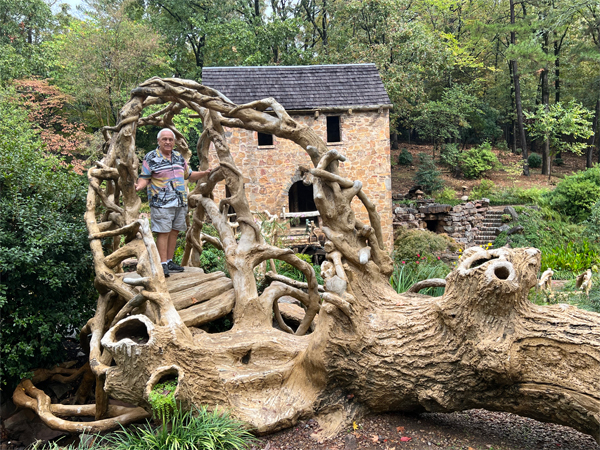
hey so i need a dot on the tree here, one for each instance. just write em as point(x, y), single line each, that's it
point(445, 119)
point(46, 272)
point(517, 91)
point(559, 121)
point(100, 60)
point(23, 26)
point(46, 106)
point(480, 345)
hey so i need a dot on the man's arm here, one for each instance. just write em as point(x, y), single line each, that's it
point(141, 183)
point(195, 176)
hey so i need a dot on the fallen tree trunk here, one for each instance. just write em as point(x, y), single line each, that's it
point(481, 344)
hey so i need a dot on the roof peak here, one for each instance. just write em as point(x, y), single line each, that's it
point(306, 66)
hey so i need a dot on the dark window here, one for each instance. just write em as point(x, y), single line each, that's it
point(301, 197)
point(334, 132)
point(301, 200)
point(265, 139)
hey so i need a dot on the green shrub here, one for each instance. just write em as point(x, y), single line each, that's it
point(575, 257)
point(565, 248)
point(290, 271)
point(534, 161)
point(476, 161)
point(405, 158)
point(212, 259)
point(447, 196)
point(519, 196)
point(427, 175)
point(502, 145)
point(450, 156)
point(575, 195)
point(46, 267)
point(506, 218)
point(592, 224)
point(558, 162)
point(484, 189)
point(421, 242)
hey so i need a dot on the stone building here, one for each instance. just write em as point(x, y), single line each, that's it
point(346, 104)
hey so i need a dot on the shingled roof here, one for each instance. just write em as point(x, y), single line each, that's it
point(301, 87)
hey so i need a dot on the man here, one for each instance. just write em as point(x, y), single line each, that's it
point(163, 172)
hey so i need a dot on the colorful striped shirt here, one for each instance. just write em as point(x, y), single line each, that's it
point(166, 188)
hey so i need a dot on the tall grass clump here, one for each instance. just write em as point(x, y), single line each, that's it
point(407, 273)
point(196, 429)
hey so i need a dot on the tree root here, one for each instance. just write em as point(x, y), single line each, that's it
point(26, 395)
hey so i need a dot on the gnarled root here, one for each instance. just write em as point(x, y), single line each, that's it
point(26, 395)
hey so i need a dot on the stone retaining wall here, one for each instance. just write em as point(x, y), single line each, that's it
point(460, 222)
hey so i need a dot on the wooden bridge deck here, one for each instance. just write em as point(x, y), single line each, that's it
point(199, 297)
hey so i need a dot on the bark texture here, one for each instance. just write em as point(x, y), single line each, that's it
point(481, 345)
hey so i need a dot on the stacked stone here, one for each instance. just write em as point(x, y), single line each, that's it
point(461, 222)
point(464, 220)
point(406, 217)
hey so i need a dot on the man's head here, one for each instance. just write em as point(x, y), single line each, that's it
point(166, 140)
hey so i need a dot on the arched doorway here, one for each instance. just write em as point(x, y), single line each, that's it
point(301, 201)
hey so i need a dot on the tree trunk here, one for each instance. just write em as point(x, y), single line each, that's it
point(517, 84)
point(481, 345)
point(557, 78)
point(546, 158)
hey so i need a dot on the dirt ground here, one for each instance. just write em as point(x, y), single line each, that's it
point(402, 176)
point(476, 429)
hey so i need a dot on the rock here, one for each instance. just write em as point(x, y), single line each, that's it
point(289, 300)
point(514, 230)
point(350, 442)
point(510, 210)
point(485, 201)
point(59, 389)
point(26, 427)
point(469, 205)
point(336, 285)
point(464, 198)
point(291, 312)
point(7, 407)
point(502, 229)
point(435, 209)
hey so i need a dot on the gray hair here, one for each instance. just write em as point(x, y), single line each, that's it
point(162, 131)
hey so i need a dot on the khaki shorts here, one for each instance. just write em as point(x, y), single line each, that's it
point(164, 220)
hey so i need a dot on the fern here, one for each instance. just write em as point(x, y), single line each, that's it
point(162, 400)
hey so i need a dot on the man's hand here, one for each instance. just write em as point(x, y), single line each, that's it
point(195, 176)
point(141, 183)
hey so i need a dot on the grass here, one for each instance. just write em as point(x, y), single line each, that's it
point(569, 295)
point(407, 273)
point(198, 429)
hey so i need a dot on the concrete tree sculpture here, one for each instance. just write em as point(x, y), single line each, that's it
point(481, 345)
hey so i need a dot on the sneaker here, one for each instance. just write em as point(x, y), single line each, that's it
point(165, 269)
point(174, 267)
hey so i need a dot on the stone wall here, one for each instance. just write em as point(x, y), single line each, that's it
point(270, 171)
point(461, 222)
